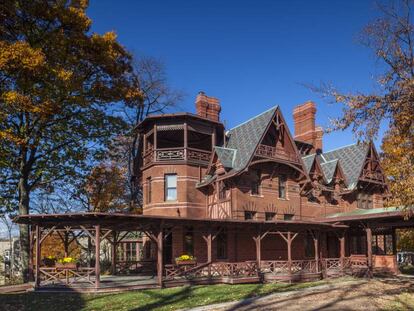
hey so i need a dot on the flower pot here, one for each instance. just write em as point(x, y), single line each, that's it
point(185, 262)
point(71, 265)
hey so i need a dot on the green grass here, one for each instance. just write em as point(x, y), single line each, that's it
point(156, 299)
point(404, 301)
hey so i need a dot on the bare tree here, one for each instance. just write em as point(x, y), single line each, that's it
point(157, 97)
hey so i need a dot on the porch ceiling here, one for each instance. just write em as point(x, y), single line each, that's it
point(119, 221)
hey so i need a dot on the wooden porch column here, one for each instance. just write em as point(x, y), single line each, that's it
point(38, 255)
point(160, 261)
point(316, 247)
point(369, 249)
point(113, 251)
point(289, 249)
point(258, 243)
point(155, 143)
point(342, 250)
point(97, 256)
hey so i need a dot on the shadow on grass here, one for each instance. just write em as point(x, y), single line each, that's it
point(42, 301)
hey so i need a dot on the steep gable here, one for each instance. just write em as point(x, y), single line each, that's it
point(245, 137)
point(352, 159)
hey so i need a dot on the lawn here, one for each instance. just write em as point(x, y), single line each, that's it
point(156, 299)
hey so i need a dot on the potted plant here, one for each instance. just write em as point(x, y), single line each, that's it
point(49, 261)
point(186, 260)
point(66, 263)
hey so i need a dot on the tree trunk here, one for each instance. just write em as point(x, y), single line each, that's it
point(24, 201)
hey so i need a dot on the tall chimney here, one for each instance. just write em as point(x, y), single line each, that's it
point(208, 107)
point(305, 129)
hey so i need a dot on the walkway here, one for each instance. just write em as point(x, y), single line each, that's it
point(361, 294)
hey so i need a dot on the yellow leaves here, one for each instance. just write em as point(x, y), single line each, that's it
point(23, 103)
point(109, 37)
point(20, 55)
point(64, 75)
point(8, 135)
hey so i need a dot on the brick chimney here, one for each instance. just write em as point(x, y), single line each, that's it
point(208, 107)
point(305, 129)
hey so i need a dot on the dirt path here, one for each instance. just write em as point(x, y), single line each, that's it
point(376, 294)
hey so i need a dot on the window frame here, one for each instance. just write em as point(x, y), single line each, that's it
point(255, 185)
point(166, 187)
point(272, 214)
point(252, 213)
point(288, 216)
point(282, 187)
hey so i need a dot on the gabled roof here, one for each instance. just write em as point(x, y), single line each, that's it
point(246, 136)
point(352, 160)
point(308, 161)
point(226, 156)
point(328, 169)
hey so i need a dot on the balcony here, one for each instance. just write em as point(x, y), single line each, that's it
point(276, 153)
point(162, 155)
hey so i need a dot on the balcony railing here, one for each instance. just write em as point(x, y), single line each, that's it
point(275, 153)
point(176, 154)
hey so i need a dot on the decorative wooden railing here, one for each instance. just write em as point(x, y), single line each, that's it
point(368, 174)
point(212, 270)
point(176, 154)
point(66, 276)
point(275, 153)
point(282, 267)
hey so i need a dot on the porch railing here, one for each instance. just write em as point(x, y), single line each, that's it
point(282, 267)
point(67, 276)
point(212, 270)
point(275, 153)
point(176, 154)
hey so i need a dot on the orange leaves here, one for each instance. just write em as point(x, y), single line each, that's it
point(20, 55)
point(106, 186)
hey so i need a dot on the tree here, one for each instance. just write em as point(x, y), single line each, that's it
point(391, 38)
point(106, 188)
point(59, 86)
point(157, 97)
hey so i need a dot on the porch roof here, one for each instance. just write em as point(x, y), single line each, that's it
point(121, 221)
point(395, 216)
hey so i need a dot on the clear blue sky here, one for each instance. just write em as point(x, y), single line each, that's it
point(250, 54)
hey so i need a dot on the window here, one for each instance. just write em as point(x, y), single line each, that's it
point(288, 216)
point(270, 216)
point(149, 190)
point(282, 186)
point(170, 181)
point(222, 190)
point(221, 243)
point(255, 184)
point(248, 215)
point(364, 200)
point(189, 241)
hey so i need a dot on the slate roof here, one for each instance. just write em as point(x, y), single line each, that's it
point(308, 161)
point(226, 156)
point(245, 137)
point(350, 157)
point(328, 169)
